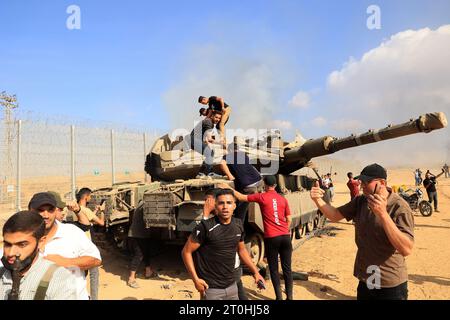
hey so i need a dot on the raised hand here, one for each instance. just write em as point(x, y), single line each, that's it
point(316, 192)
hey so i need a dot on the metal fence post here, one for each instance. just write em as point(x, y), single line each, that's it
point(112, 157)
point(72, 160)
point(18, 177)
point(145, 155)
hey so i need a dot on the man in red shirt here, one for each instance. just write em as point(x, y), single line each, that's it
point(353, 185)
point(276, 219)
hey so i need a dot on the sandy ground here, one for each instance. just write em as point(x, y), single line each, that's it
point(328, 259)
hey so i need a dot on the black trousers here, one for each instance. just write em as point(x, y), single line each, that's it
point(140, 251)
point(241, 291)
point(280, 246)
point(399, 292)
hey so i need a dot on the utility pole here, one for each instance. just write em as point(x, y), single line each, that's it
point(8, 103)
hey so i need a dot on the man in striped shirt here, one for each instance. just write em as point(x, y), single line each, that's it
point(25, 275)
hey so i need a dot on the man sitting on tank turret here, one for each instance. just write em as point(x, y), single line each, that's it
point(201, 140)
point(217, 104)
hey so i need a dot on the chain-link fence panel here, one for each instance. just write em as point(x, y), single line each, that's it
point(58, 156)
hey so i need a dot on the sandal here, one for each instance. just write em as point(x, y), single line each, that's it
point(133, 284)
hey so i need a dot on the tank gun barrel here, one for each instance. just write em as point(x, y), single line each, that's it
point(328, 145)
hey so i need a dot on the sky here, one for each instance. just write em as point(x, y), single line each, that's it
point(301, 66)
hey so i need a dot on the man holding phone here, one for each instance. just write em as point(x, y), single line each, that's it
point(384, 235)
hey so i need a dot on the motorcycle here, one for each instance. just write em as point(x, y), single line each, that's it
point(416, 201)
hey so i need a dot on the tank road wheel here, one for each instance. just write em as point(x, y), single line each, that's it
point(319, 221)
point(310, 225)
point(303, 230)
point(425, 208)
point(295, 235)
point(255, 247)
point(118, 235)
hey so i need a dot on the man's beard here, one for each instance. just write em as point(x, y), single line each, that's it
point(20, 265)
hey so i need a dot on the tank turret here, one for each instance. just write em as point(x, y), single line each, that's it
point(168, 161)
point(175, 207)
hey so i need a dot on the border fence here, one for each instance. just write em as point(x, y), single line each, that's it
point(41, 154)
point(47, 154)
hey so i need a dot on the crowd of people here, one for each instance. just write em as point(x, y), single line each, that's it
point(46, 254)
point(48, 251)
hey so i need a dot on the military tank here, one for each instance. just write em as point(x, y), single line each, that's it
point(117, 203)
point(175, 206)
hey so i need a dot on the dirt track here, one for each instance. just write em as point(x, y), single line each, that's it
point(328, 259)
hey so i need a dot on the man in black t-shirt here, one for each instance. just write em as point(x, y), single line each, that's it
point(237, 167)
point(217, 104)
point(247, 180)
point(210, 252)
point(430, 185)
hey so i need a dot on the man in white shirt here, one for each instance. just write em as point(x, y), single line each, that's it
point(65, 244)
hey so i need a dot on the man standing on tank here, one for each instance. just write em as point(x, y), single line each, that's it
point(216, 103)
point(201, 140)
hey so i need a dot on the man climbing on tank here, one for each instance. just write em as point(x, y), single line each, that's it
point(201, 140)
point(216, 103)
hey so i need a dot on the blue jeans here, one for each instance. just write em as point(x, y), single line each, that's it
point(203, 148)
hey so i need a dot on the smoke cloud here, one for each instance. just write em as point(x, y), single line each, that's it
point(406, 76)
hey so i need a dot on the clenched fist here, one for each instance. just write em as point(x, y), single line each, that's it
point(316, 192)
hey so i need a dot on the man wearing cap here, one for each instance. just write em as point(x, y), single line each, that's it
point(276, 220)
point(384, 235)
point(63, 211)
point(65, 244)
